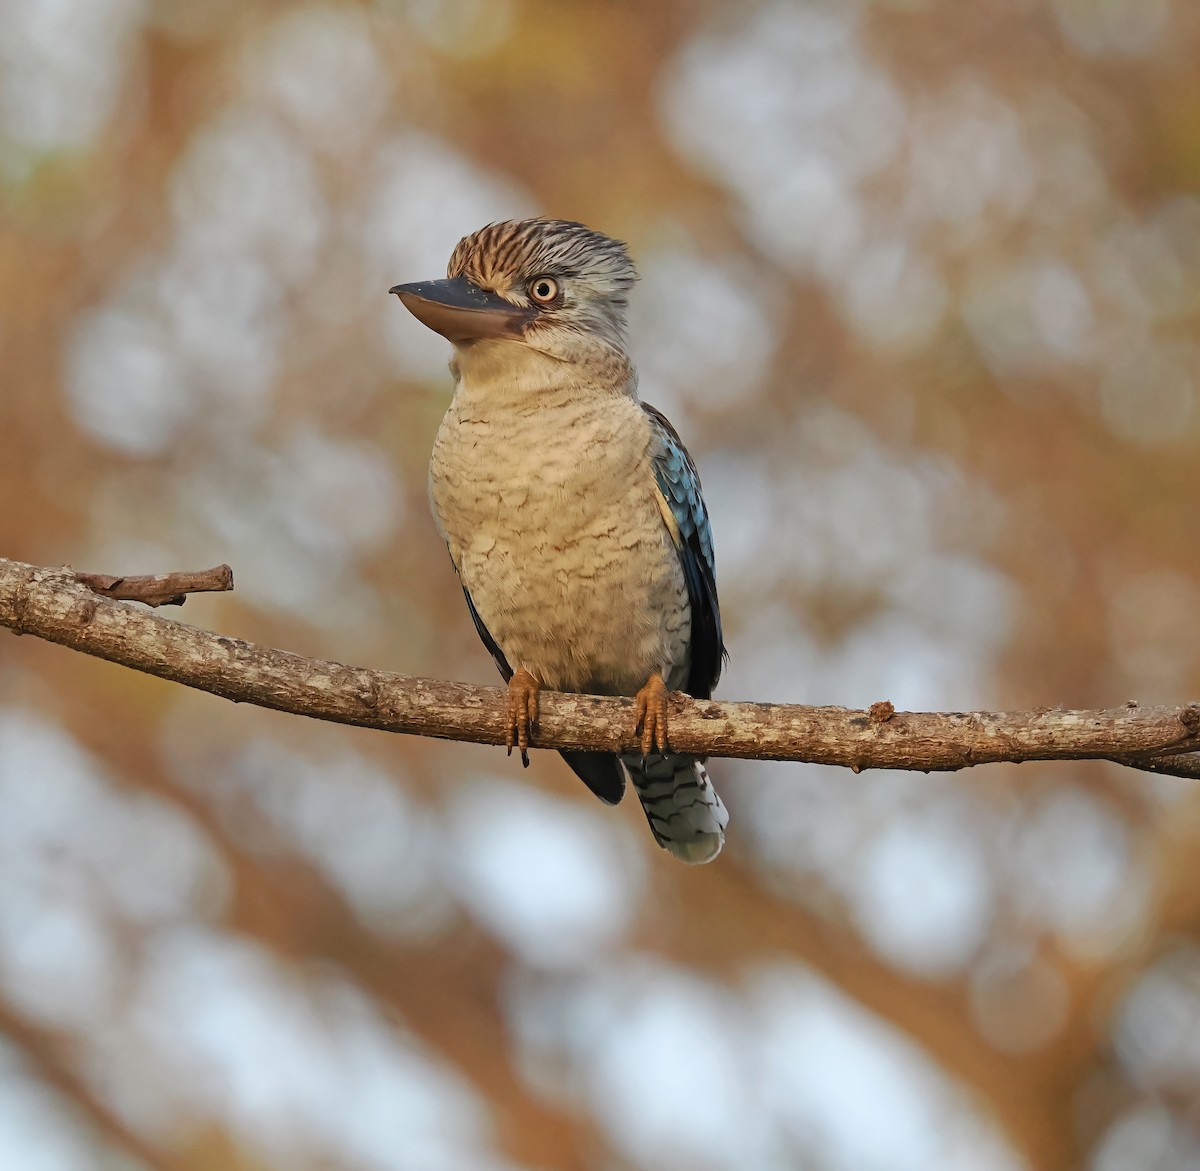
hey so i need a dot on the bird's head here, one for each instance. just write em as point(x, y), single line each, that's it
point(553, 286)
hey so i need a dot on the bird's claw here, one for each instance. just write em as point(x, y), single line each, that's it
point(522, 713)
point(651, 713)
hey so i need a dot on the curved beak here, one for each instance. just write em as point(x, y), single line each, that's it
point(462, 311)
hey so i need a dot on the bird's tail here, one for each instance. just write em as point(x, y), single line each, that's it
point(685, 814)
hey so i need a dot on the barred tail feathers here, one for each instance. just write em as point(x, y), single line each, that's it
point(686, 815)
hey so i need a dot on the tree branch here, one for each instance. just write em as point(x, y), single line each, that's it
point(55, 605)
point(159, 589)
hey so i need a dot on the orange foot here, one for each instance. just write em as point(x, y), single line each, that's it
point(522, 712)
point(652, 715)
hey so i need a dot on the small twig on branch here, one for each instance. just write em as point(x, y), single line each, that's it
point(159, 589)
point(53, 604)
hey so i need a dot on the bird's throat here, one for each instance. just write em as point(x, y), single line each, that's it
point(503, 371)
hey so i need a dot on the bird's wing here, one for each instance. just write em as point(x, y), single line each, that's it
point(679, 489)
point(488, 641)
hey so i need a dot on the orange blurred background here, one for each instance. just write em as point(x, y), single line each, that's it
point(921, 290)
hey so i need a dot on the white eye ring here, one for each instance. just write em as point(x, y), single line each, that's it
point(543, 289)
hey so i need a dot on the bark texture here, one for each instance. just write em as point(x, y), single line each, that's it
point(57, 605)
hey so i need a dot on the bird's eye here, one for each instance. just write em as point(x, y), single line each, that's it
point(543, 289)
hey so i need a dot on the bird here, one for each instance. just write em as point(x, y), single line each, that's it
point(572, 511)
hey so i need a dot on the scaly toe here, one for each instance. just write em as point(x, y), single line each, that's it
point(651, 710)
point(522, 713)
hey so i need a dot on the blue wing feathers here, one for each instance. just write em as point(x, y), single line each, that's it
point(679, 483)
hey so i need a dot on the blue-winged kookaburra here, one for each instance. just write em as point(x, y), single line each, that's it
point(572, 511)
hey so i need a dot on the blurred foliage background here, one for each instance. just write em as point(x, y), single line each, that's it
point(921, 290)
